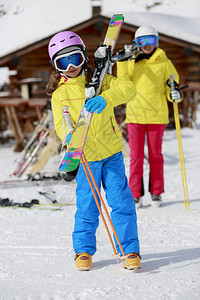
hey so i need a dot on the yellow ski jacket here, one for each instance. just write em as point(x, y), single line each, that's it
point(104, 136)
point(149, 104)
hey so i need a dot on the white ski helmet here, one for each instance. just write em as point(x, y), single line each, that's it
point(146, 30)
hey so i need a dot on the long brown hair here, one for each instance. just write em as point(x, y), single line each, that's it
point(55, 78)
point(53, 83)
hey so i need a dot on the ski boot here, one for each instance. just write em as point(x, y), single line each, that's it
point(138, 202)
point(83, 261)
point(133, 260)
point(156, 200)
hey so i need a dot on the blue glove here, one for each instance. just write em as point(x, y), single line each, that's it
point(97, 103)
point(69, 138)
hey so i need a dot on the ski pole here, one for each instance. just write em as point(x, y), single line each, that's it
point(52, 201)
point(98, 205)
point(180, 147)
point(89, 172)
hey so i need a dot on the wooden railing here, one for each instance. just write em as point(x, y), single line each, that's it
point(188, 107)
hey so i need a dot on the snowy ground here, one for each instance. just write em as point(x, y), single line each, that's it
point(36, 255)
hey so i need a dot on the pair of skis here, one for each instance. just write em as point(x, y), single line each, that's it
point(72, 158)
point(7, 203)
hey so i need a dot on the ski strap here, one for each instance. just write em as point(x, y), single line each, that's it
point(66, 122)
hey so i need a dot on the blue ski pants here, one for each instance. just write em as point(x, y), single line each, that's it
point(109, 172)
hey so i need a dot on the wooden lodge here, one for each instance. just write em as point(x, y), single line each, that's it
point(32, 65)
point(33, 61)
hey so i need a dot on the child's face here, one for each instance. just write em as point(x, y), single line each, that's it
point(72, 72)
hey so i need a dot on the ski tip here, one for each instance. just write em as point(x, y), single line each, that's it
point(118, 17)
point(67, 177)
point(70, 176)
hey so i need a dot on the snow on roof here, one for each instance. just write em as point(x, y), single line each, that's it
point(187, 9)
point(24, 22)
point(176, 18)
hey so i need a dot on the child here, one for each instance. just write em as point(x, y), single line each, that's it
point(103, 148)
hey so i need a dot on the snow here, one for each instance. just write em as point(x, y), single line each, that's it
point(26, 21)
point(36, 254)
point(172, 7)
point(4, 75)
point(169, 17)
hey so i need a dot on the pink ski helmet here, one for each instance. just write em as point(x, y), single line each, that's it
point(64, 42)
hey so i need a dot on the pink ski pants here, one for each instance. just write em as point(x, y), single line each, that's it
point(136, 135)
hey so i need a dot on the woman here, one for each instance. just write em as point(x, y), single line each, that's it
point(147, 112)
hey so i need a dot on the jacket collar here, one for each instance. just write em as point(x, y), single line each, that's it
point(156, 54)
point(77, 80)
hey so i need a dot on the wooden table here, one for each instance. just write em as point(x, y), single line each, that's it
point(38, 104)
point(10, 106)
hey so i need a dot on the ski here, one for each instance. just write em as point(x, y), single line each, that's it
point(129, 52)
point(39, 147)
point(34, 203)
point(72, 158)
point(31, 144)
point(41, 141)
point(33, 180)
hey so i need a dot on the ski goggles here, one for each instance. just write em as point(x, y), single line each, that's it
point(142, 41)
point(72, 59)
